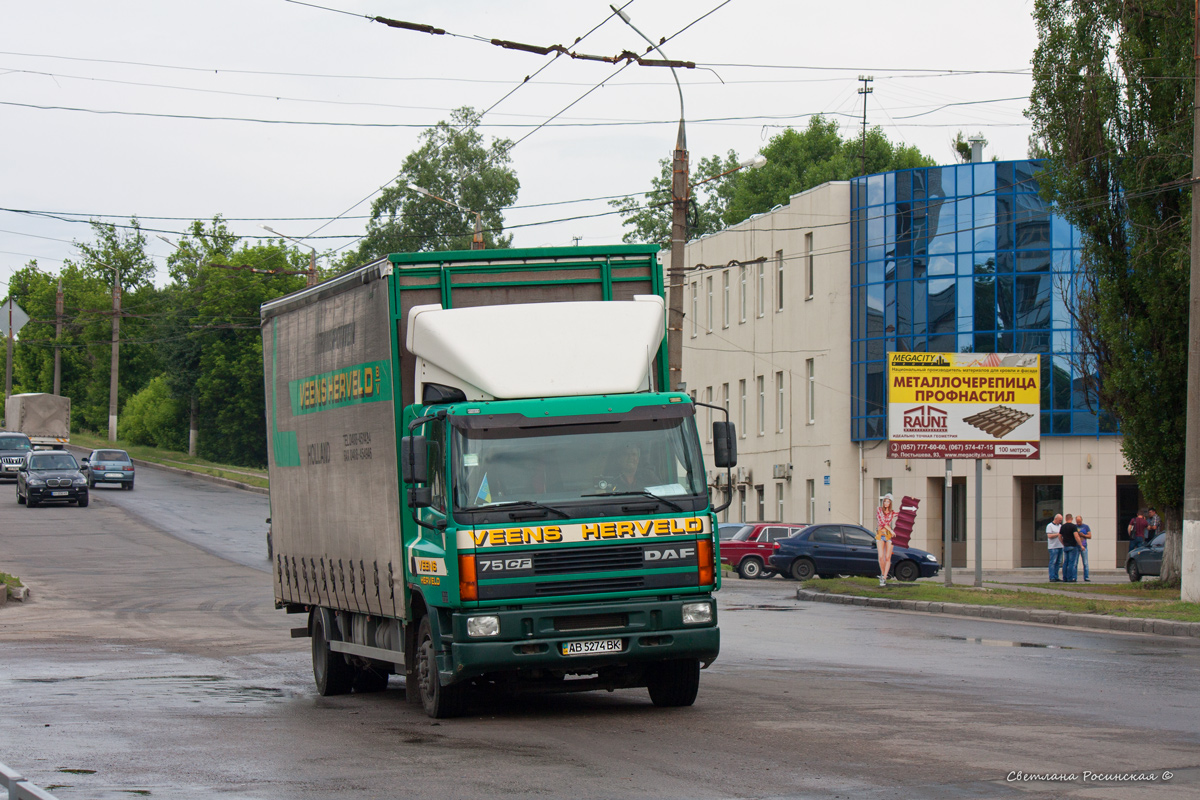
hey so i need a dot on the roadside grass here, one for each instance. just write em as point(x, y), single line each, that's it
point(10, 582)
point(1145, 590)
point(171, 458)
point(939, 593)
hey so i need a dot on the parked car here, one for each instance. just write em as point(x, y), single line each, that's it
point(750, 548)
point(727, 530)
point(1146, 560)
point(109, 466)
point(51, 475)
point(13, 447)
point(829, 550)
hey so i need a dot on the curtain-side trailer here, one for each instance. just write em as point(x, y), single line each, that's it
point(479, 480)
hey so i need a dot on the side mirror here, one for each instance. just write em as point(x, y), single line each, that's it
point(22, 468)
point(724, 445)
point(414, 459)
point(420, 497)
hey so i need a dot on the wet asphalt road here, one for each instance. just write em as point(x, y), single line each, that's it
point(149, 664)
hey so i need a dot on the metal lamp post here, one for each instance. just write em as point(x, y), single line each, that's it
point(312, 258)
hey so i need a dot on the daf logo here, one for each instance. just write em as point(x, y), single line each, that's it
point(670, 554)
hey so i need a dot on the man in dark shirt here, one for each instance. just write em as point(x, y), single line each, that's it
point(1137, 531)
point(1070, 549)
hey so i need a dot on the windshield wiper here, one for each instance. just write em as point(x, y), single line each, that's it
point(639, 493)
point(513, 504)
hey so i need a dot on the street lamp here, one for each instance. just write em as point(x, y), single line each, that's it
point(753, 162)
point(477, 240)
point(312, 259)
point(679, 203)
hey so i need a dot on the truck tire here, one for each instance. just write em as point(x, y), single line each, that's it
point(440, 701)
point(330, 671)
point(674, 683)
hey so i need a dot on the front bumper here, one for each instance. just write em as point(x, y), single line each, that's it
point(531, 640)
point(50, 494)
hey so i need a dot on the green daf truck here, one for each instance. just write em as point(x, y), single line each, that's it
point(480, 480)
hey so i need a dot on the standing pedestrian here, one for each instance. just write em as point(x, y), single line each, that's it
point(1054, 546)
point(1067, 533)
point(1085, 534)
point(1153, 525)
point(1137, 531)
point(886, 517)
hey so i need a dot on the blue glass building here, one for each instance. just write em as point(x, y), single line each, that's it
point(963, 258)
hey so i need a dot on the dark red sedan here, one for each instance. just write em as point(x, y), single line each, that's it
point(748, 550)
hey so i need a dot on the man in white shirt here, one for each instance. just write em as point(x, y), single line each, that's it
point(1055, 546)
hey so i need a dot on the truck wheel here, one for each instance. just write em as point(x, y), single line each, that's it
point(370, 679)
point(674, 683)
point(330, 670)
point(439, 701)
point(750, 568)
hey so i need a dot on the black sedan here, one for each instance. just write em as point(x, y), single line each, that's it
point(829, 550)
point(51, 475)
point(1146, 560)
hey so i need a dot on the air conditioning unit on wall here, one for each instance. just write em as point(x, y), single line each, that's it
point(781, 471)
point(744, 475)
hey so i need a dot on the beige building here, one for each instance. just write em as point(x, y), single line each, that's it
point(767, 335)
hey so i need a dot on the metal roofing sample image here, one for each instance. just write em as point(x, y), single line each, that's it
point(998, 421)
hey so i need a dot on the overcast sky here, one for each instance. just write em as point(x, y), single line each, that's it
point(108, 109)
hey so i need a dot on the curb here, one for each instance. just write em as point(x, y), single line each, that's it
point(204, 476)
point(1160, 627)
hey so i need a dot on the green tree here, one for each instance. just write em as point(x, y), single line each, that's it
point(453, 162)
point(650, 218)
point(152, 417)
point(1111, 109)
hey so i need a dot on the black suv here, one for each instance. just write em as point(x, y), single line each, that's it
point(51, 475)
point(13, 447)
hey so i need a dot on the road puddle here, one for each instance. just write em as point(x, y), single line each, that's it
point(761, 608)
point(1004, 643)
point(192, 688)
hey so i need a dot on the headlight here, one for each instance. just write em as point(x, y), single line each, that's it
point(931, 556)
point(483, 626)
point(36, 482)
point(81, 481)
point(697, 613)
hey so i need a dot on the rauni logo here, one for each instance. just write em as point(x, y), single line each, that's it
point(925, 419)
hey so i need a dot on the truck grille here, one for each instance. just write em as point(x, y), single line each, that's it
point(591, 622)
point(587, 559)
point(584, 587)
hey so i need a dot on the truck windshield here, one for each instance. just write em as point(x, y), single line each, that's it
point(593, 462)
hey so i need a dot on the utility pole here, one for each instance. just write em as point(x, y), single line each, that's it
point(116, 350)
point(58, 312)
point(1190, 555)
point(864, 90)
point(8, 360)
point(680, 195)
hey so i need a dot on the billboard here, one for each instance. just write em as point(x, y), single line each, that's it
point(964, 405)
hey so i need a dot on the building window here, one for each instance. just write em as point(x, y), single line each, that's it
point(779, 401)
point(742, 408)
point(760, 492)
point(810, 371)
point(810, 499)
point(743, 292)
point(884, 486)
point(695, 309)
point(762, 406)
point(708, 286)
point(808, 265)
point(762, 288)
point(708, 399)
point(742, 502)
point(779, 515)
point(779, 280)
point(725, 299)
